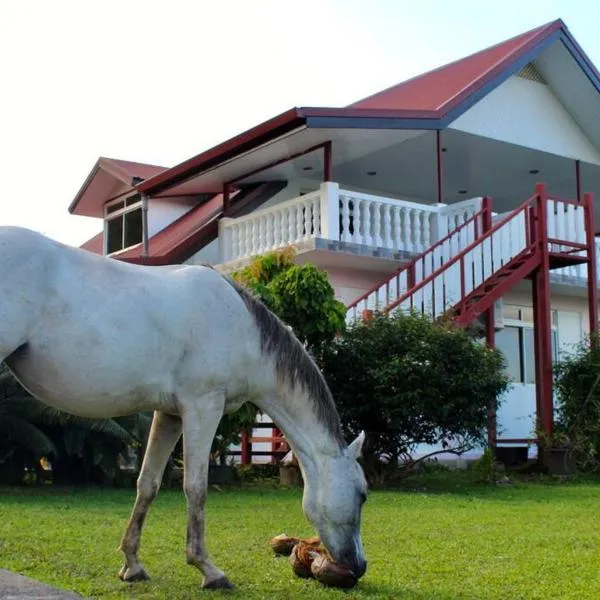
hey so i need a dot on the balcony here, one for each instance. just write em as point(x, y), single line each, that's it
point(348, 218)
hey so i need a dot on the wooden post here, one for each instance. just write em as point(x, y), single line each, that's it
point(440, 166)
point(246, 456)
point(592, 282)
point(578, 179)
point(541, 319)
point(327, 166)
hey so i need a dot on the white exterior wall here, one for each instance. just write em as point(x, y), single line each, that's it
point(527, 113)
point(164, 211)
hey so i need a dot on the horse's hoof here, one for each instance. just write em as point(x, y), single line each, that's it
point(222, 583)
point(128, 575)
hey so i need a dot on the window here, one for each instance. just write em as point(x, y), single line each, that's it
point(515, 341)
point(123, 224)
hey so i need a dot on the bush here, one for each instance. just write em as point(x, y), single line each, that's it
point(577, 381)
point(405, 380)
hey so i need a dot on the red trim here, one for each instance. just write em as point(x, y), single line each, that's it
point(248, 140)
point(592, 285)
point(410, 266)
point(541, 318)
point(460, 256)
point(440, 169)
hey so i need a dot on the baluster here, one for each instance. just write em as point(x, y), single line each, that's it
point(316, 208)
point(307, 220)
point(397, 235)
point(277, 229)
point(345, 233)
point(358, 212)
point(299, 223)
point(231, 251)
point(291, 228)
point(387, 226)
point(406, 245)
point(427, 219)
point(415, 230)
point(262, 233)
point(376, 209)
point(250, 240)
point(367, 223)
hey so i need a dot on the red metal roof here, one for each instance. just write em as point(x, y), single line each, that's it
point(126, 170)
point(95, 244)
point(443, 88)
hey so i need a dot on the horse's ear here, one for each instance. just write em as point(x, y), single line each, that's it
point(355, 448)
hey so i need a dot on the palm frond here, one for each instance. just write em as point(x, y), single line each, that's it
point(27, 435)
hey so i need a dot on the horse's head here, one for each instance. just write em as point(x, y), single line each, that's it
point(334, 506)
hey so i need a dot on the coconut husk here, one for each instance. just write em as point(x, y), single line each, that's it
point(332, 574)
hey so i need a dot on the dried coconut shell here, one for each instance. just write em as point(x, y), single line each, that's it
point(302, 557)
point(282, 544)
point(332, 574)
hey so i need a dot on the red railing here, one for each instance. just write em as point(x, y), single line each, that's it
point(470, 267)
point(424, 263)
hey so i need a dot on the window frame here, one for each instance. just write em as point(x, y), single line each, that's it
point(127, 205)
point(521, 323)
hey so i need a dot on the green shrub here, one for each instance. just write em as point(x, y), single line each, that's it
point(405, 380)
point(577, 384)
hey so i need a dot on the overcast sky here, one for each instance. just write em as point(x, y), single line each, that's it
point(159, 82)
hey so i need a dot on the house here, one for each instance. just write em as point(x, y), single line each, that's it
point(423, 195)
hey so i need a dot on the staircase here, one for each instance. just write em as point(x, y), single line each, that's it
point(472, 267)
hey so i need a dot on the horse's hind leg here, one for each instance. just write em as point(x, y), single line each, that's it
point(164, 434)
point(201, 417)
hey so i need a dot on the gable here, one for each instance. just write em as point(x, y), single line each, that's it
point(525, 111)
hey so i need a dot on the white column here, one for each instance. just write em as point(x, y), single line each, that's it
point(439, 223)
point(330, 211)
point(225, 249)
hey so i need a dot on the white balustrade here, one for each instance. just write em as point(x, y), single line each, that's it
point(343, 215)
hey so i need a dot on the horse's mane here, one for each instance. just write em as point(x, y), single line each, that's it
point(293, 362)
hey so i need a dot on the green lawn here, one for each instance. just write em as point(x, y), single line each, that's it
point(456, 541)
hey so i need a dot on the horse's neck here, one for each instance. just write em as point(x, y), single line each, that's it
point(309, 438)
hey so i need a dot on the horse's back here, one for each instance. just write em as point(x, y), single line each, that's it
point(105, 330)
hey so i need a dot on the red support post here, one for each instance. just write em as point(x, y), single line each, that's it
point(578, 179)
point(440, 166)
point(541, 318)
point(327, 167)
point(246, 456)
point(592, 284)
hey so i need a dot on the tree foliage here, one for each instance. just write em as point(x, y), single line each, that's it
point(300, 295)
point(80, 450)
point(406, 381)
point(577, 382)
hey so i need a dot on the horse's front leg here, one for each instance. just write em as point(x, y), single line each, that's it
point(164, 434)
point(201, 418)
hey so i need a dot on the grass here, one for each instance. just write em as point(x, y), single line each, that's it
point(444, 539)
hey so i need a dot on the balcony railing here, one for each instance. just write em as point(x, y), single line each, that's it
point(345, 216)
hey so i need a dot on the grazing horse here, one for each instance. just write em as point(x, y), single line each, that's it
point(98, 338)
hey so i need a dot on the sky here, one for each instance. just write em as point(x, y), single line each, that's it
point(160, 82)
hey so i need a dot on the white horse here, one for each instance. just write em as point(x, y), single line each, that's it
point(97, 337)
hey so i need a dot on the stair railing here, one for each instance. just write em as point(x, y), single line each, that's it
point(424, 264)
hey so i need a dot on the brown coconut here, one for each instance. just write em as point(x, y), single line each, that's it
point(282, 544)
point(332, 574)
point(302, 557)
